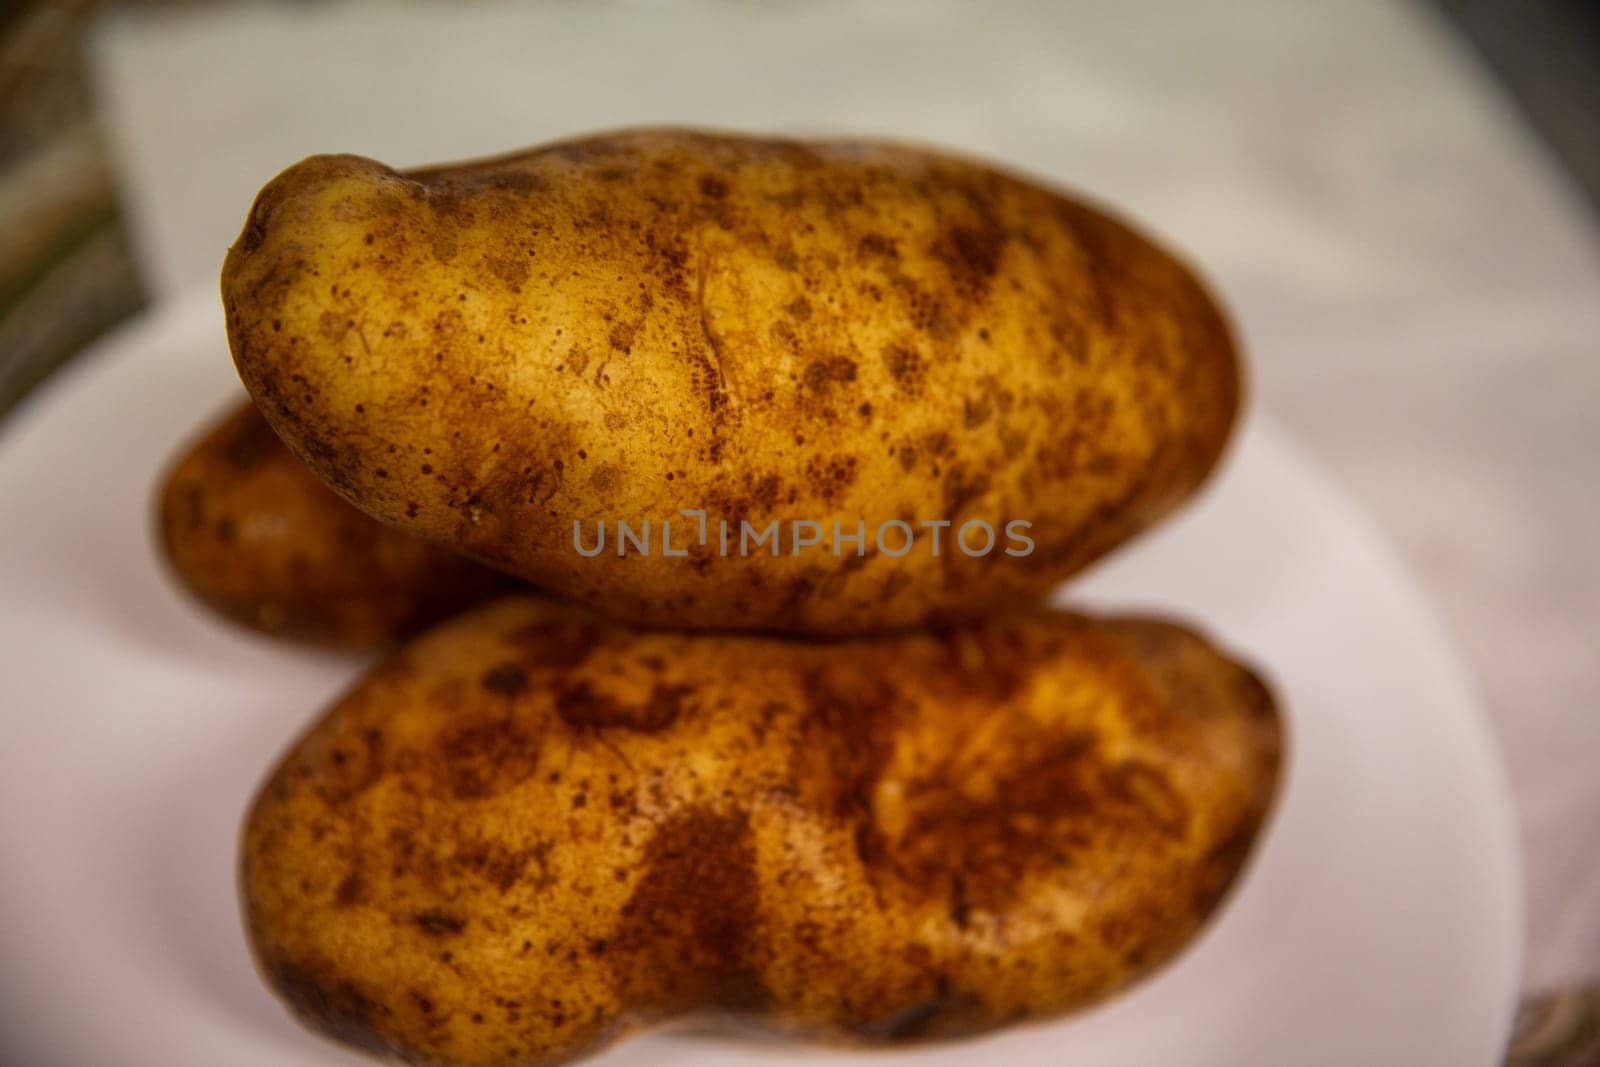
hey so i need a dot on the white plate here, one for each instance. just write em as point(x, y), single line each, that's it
point(1378, 924)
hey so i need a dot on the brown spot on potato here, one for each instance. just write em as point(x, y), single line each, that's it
point(604, 478)
point(1137, 783)
point(972, 255)
point(479, 759)
point(337, 1009)
point(820, 373)
point(351, 889)
point(436, 923)
point(904, 365)
point(878, 245)
point(511, 269)
point(333, 326)
point(582, 707)
point(622, 334)
point(507, 679)
point(846, 739)
point(554, 643)
point(1009, 820)
point(686, 932)
point(829, 477)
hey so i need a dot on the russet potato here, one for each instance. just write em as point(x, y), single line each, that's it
point(257, 537)
point(626, 326)
point(532, 832)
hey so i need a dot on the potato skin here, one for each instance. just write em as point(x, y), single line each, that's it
point(531, 832)
point(256, 537)
point(626, 325)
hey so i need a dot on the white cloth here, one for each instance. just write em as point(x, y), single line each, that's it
point(1416, 283)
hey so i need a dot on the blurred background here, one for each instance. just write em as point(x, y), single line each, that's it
point(1397, 198)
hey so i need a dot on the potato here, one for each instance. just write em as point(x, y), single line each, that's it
point(511, 356)
point(532, 832)
point(253, 534)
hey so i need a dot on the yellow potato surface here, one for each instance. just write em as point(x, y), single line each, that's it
point(254, 535)
point(626, 326)
point(530, 832)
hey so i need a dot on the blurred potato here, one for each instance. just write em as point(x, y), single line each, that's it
point(252, 533)
point(624, 326)
point(531, 832)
